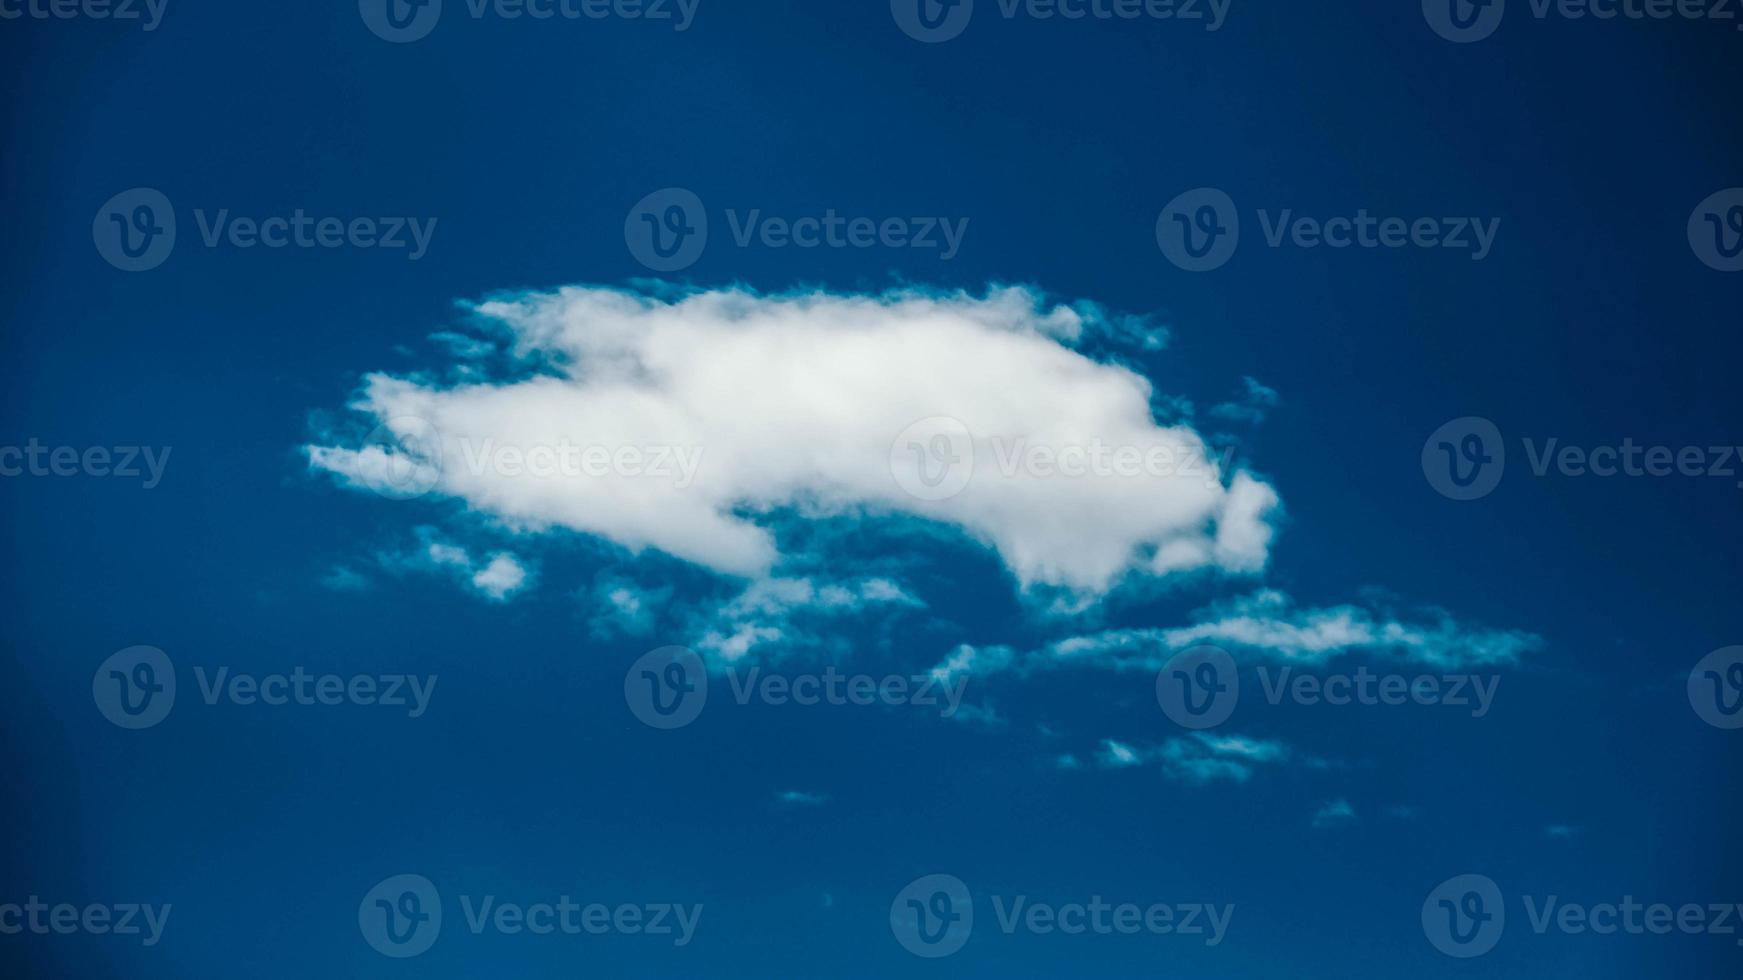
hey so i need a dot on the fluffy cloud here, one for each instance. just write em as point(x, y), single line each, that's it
point(688, 422)
point(1265, 625)
point(502, 576)
point(498, 577)
point(1334, 813)
point(620, 607)
point(785, 610)
point(968, 659)
point(344, 579)
point(1255, 402)
point(1268, 625)
point(1198, 758)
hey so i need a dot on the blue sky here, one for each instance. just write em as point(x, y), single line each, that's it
point(329, 494)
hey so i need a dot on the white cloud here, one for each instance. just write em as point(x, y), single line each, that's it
point(1264, 625)
point(1253, 404)
point(1268, 621)
point(980, 715)
point(619, 606)
point(442, 553)
point(1242, 747)
point(786, 611)
point(1117, 755)
point(501, 577)
point(1267, 624)
point(1204, 758)
point(796, 797)
point(344, 579)
point(793, 403)
point(732, 646)
point(1334, 813)
point(967, 659)
point(459, 345)
point(1198, 758)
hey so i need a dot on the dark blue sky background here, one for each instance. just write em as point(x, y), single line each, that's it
point(1060, 142)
